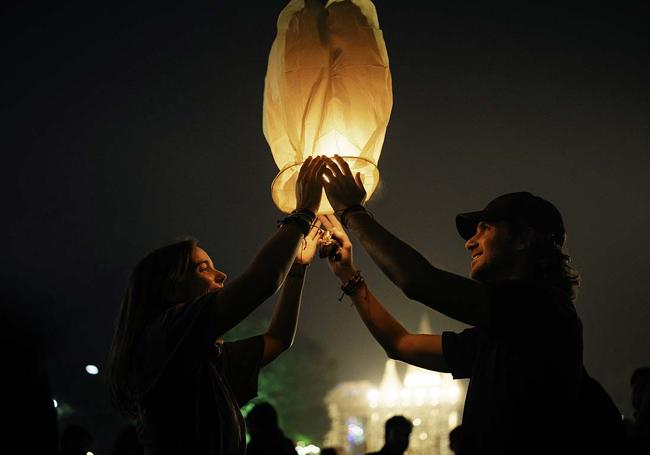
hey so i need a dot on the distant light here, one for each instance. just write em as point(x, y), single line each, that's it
point(453, 393)
point(423, 436)
point(453, 420)
point(417, 422)
point(89, 453)
point(309, 449)
point(391, 394)
point(92, 369)
point(56, 403)
point(355, 430)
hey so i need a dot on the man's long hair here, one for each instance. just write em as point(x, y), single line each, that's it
point(549, 262)
point(151, 288)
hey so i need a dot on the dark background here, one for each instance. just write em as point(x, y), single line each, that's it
point(126, 126)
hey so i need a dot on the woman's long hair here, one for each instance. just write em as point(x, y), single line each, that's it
point(152, 286)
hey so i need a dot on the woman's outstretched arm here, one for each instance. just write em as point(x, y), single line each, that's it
point(269, 268)
point(282, 330)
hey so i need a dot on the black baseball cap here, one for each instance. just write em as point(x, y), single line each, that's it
point(532, 210)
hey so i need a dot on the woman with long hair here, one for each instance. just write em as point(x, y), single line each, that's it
point(168, 368)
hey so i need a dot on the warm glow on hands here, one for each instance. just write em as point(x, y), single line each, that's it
point(343, 188)
point(343, 267)
point(309, 245)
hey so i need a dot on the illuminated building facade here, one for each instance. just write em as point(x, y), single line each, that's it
point(432, 401)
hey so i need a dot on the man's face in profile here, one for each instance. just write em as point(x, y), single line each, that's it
point(492, 252)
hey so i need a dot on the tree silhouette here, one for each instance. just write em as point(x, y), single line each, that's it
point(295, 384)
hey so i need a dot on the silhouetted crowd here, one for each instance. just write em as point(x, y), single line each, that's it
point(266, 437)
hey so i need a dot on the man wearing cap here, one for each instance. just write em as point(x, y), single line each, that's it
point(523, 354)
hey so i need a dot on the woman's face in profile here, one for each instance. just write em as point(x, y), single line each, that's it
point(203, 277)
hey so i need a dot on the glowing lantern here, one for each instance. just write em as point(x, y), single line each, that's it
point(327, 91)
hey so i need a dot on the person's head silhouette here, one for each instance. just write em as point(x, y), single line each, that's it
point(262, 419)
point(640, 383)
point(397, 433)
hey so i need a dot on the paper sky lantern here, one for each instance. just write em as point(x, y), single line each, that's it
point(327, 91)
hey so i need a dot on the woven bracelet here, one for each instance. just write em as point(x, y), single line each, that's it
point(352, 285)
point(298, 220)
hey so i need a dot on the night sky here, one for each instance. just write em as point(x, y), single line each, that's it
point(128, 126)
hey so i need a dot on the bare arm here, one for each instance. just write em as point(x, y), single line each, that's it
point(421, 350)
point(260, 281)
point(457, 297)
point(282, 330)
point(268, 270)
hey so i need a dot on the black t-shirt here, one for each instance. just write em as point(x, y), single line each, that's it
point(192, 386)
point(524, 369)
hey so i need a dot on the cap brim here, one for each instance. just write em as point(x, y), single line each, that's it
point(466, 222)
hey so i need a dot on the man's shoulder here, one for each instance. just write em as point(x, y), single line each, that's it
point(524, 309)
point(525, 286)
point(530, 291)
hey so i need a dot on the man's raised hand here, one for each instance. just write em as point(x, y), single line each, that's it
point(343, 189)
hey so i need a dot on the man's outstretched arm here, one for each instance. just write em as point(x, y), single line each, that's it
point(421, 350)
point(455, 296)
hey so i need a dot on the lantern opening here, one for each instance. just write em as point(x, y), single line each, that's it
point(283, 188)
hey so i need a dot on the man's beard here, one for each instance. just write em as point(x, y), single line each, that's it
point(497, 269)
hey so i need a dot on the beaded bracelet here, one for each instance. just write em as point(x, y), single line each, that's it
point(352, 285)
point(302, 218)
point(308, 214)
point(305, 214)
point(302, 224)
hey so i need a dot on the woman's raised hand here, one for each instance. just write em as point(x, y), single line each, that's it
point(343, 267)
point(309, 185)
point(309, 245)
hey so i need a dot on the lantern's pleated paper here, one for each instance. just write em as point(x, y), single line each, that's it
point(327, 91)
